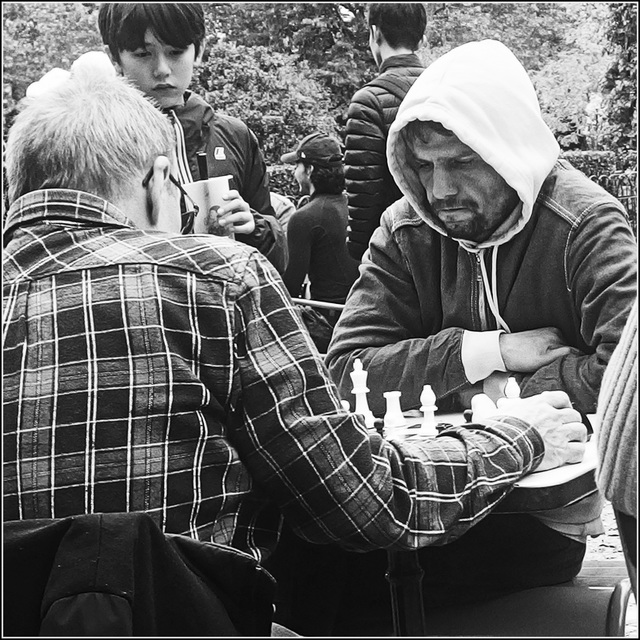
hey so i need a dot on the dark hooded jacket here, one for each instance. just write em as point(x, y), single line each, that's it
point(232, 149)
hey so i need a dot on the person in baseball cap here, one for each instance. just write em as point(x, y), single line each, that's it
point(317, 233)
point(317, 149)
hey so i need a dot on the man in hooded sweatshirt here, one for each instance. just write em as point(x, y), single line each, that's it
point(500, 260)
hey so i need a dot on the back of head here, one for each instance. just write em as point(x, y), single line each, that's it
point(402, 24)
point(123, 24)
point(328, 180)
point(92, 133)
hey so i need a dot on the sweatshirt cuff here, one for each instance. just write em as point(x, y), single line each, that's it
point(480, 354)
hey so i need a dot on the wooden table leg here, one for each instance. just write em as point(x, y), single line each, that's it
point(405, 574)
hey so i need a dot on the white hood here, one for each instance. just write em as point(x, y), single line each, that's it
point(481, 93)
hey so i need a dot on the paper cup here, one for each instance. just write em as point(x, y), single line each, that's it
point(207, 194)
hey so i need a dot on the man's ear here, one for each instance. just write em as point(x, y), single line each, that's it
point(157, 188)
point(376, 34)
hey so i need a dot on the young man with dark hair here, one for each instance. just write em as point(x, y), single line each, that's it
point(396, 31)
point(156, 46)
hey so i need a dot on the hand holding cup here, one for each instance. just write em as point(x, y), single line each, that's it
point(236, 214)
point(222, 211)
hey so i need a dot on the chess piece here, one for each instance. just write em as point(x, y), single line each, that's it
point(428, 408)
point(360, 390)
point(393, 416)
point(482, 406)
point(511, 393)
point(511, 389)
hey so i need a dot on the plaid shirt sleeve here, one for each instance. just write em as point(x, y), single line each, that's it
point(174, 376)
point(335, 481)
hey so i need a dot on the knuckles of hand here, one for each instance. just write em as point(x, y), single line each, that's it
point(560, 426)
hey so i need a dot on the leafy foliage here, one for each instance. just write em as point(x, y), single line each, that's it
point(274, 96)
point(569, 83)
point(621, 79)
point(601, 163)
point(287, 68)
point(533, 31)
point(282, 181)
point(38, 36)
point(559, 43)
point(334, 47)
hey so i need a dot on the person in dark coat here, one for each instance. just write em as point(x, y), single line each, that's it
point(317, 234)
point(317, 230)
point(395, 34)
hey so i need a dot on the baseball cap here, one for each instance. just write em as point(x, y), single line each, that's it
point(317, 148)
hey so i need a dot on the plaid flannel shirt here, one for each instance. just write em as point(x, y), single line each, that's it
point(172, 374)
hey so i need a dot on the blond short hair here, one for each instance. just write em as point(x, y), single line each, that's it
point(90, 133)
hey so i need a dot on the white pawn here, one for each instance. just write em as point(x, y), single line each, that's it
point(511, 389)
point(428, 408)
point(360, 390)
point(482, 406)
point(394, 416)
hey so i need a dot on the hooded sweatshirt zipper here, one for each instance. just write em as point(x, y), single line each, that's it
point(487, 293)
point(482, 309)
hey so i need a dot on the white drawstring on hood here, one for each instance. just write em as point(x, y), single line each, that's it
point(491, 290)
point(481, 93)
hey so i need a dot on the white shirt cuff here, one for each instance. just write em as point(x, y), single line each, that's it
point(481, 354)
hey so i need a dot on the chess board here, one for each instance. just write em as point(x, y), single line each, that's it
point(535, 491)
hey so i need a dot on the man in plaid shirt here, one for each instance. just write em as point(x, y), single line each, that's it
point(145, 370)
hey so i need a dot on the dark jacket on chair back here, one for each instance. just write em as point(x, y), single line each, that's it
point(117, 574)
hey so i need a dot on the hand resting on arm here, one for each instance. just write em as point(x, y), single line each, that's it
point(528, 351)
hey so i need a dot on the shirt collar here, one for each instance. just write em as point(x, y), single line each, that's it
point(66, 206)
point(402, 60)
